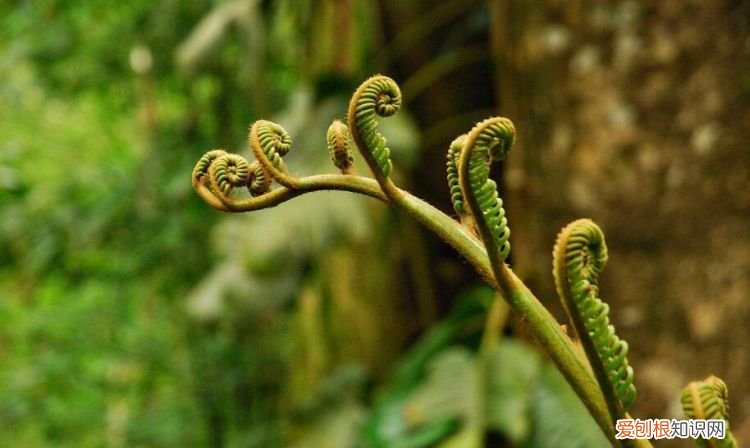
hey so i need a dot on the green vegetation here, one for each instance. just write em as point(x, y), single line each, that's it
point(708, 400)
point(579, 255)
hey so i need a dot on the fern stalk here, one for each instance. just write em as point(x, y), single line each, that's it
point(579, 256)
point(218, 173)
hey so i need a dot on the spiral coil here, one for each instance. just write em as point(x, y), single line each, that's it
point(378, 96)
point(490, 140)
point(201, 167)
point(274, 141)
point(227, 172)
point(258, 181)
point(579, 256)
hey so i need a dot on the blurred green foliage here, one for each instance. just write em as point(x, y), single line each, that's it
point(134, 315)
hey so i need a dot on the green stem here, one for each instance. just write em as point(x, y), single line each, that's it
point(545, 329)
point(542, 325)
point(497, 315)
point(340, 182)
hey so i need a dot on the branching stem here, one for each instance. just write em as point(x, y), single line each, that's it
point(481, 237)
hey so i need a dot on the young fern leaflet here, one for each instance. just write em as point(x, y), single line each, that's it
point(579, 256)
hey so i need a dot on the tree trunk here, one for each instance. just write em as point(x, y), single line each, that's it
point(636, 114)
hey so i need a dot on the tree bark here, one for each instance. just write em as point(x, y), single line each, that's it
point(636, 114)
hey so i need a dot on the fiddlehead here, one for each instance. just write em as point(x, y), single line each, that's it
point(457, 196)
point(709, 400)
point(258, 182)
point(579, 256)
point(337, 138)
point(217, 173)
point(227, 172)
point(490, 140)
point(270, 142)
point(377, 96)
point(201, 167)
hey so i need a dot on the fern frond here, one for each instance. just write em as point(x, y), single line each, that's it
point(259, 181)
point(709, 400)
point(228, 171)
point(490, 140)
point(272, 139)
point(201, 167)
point(454, 152)
point(377, 96)
point(337, 138)
point(579, 256)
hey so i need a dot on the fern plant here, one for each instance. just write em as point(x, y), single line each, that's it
point(602, 378)
point(709, 400)
point(579, 255)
